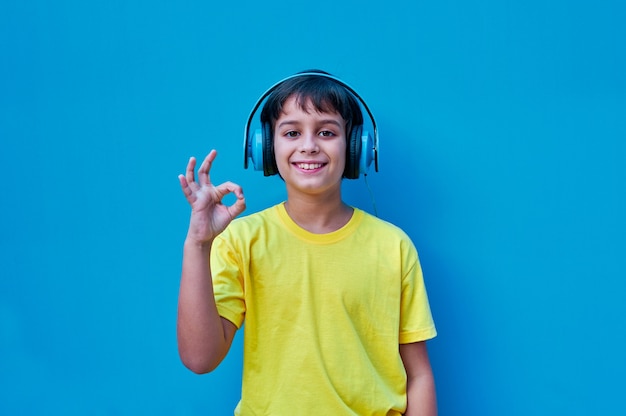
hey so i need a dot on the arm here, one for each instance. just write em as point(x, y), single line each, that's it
point(421, 395)
point(204, 337)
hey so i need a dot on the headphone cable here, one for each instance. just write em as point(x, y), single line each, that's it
point(371, 195)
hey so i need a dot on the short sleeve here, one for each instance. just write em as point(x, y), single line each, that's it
point(228, 283)
point(416, 322)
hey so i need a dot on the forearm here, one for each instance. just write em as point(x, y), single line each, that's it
point(201, 340)
point(421, 396)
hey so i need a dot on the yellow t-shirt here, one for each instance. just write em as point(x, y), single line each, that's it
point(324, 313)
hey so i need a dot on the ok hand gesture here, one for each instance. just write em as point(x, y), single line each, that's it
point(209, 216)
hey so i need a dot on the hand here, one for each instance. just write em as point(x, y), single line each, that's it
point(209, 216)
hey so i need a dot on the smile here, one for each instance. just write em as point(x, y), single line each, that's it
point(309, 166)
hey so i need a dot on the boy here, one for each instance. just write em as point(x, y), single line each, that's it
point(334, 303)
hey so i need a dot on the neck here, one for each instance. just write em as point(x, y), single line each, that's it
point(317, 214)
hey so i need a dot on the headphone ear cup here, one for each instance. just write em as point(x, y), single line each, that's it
point(353, 154)
point(269, 160)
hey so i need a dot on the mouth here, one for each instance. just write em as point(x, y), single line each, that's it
point(309, 166)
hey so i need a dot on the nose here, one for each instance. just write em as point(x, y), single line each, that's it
point(308, 144)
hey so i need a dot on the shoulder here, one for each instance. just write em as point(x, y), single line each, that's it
point(382, 228)
point(257, 217)
point(385, 237)
point(252, 223)
point(389, 244)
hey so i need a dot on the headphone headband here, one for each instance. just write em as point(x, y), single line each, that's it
point(248, 139)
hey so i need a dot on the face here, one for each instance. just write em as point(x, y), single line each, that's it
point(310, 149)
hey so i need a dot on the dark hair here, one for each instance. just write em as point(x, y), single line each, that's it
point(324, 94)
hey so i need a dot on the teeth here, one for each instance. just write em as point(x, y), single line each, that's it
point(309, 166)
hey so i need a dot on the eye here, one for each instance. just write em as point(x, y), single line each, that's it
point(326, 133)
point(291, 133)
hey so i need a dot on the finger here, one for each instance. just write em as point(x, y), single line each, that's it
point(240, 204)
point(191, 165)
point(230, 188)
point(204, 176)
point(184, 185)
point(237, 207)
point(183, 181)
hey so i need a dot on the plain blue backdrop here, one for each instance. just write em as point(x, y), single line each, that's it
point(502, 155)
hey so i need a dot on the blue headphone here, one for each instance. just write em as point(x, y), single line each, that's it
point(362, 147)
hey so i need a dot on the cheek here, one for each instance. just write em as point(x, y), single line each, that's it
point(281, 155)
point(342, 154)
point(279, 149)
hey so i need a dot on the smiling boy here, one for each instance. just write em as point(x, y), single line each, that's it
point(335, 308)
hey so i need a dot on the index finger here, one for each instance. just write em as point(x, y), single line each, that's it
point(203, 173)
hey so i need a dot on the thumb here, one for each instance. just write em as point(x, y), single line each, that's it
point(238, 206)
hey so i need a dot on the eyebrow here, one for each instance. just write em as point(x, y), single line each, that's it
point(321, 122)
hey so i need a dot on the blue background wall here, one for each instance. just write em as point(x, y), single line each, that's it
point(502, 134)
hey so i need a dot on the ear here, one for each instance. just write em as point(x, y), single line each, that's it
point(353, 152)
point(269, 160)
